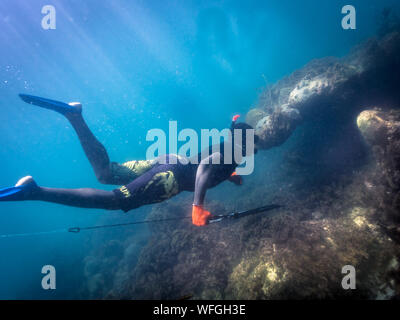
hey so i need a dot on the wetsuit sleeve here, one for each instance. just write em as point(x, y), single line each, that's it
point(203, 177)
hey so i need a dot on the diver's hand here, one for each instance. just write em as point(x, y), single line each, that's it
point(236, 179)
point(200, 216)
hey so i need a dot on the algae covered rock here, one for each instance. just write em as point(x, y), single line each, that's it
point(339, 86)
point(373, 127)
point(308, 265)
point(257, 278)
point(283, 256)
point(321, 76)
point(274, 129)
point(255, 115)
point(381, 130)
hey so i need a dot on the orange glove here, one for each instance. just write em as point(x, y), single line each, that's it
point(200, 216)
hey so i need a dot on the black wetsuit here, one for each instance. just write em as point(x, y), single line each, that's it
point(163, 181)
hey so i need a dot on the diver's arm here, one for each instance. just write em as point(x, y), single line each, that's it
point(202, 176)
point(204, 173)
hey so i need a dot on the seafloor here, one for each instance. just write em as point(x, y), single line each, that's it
point(333, 132)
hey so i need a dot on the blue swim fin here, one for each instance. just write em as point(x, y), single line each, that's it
point(10, 194)
point(17, 193)
point(57, 106)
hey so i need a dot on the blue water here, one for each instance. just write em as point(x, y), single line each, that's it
point(134, 65)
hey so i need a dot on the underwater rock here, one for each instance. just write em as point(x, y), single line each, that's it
point(254, 115)
point(257, 278)
point(308, 264)
point(296, 254)
point(381, 130)
point(274, 129)
point(110, 263)
point(373, 127)
point(370, 73)
point(278, 257)
point(299, 252)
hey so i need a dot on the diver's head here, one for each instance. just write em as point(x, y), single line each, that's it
point(240, 132)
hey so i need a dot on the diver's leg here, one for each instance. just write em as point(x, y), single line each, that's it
point(82, 198)
point(27, 189)
point(106, 172)
point(155, 185)
point(94, 150)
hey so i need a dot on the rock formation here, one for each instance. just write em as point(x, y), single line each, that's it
point(368, 75)
point(347, 217)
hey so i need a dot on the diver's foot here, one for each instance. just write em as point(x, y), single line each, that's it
point(77, 107)
point(76, 112)
point(25, 181)
point(25, 189)
point(72, 108)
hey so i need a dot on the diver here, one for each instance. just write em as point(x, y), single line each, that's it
point(143, 181)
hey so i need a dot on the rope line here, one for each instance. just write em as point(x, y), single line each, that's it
point(216, 218)
point(77, 229)
point(27, 234)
